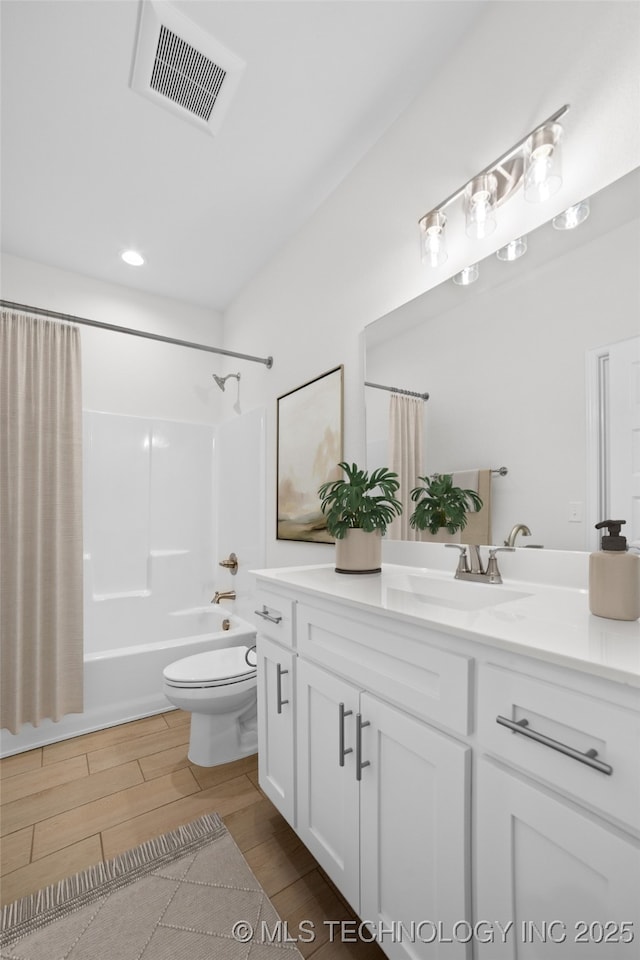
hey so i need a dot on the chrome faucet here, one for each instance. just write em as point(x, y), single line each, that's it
point(515, 530)
point(223, 595)
point(470, 565)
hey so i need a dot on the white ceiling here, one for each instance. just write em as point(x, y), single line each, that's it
point(90, 168)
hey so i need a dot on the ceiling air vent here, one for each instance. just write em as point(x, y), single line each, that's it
point(182, 68)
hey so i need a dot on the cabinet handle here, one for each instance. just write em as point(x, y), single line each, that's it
point(360, 763)
point(341, 748)
point(279, 675)
point(589, 757)
point(264, 613)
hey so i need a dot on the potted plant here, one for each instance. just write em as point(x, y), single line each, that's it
point(439, 504)
point(358, 509)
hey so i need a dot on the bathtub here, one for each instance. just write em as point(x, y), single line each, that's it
point(124, 683)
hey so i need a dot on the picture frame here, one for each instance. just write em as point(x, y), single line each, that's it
point(310, 427)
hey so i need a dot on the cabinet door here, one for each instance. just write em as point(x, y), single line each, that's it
point(564, 878)
point(328, 815)
point(414, 802)
point(275, 725)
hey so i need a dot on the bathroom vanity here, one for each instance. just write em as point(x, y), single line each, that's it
point(462, 759)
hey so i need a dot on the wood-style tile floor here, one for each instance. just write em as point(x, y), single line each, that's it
point(71, 804)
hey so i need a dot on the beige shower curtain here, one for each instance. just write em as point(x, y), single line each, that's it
point(41, 641)
point(406, 446)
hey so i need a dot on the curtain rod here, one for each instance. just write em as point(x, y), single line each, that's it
point(408, 393)
point(268, 361)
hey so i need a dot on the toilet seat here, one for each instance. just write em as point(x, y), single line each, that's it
point(215, 668)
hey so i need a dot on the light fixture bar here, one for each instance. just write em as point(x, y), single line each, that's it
point(511, 152)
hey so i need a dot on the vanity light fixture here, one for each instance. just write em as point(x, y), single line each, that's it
point(513, 250)
point(572, 217)
point(480, 206)
point(533, 162)
point(433, 247)
point(133, 258)
point(467, 275)
point(543, 174)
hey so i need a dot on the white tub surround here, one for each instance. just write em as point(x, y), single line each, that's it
point(461, 758)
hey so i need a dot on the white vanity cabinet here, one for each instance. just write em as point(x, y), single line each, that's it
point(383, 807)
point(276, 701)
point(328, 814)
point(414, 832)
point(557, 804)
point(470, 793)
point(567, 881)
point(382, 797)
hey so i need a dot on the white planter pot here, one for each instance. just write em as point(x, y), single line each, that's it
point(359, 552)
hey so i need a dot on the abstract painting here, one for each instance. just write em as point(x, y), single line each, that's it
point(310, 424)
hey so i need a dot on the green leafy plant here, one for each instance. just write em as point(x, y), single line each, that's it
point(440, 504)
point(361, 501)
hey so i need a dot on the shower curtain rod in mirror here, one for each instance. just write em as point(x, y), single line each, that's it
point(406, 393)
point(9, 305)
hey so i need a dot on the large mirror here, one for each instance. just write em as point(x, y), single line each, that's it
point(533, 368)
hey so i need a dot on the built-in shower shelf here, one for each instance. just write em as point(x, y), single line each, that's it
point(119, 596)
point(168, 553)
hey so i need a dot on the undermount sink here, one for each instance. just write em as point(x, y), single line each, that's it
point(456, 594)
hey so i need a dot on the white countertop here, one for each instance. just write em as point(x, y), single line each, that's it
point(547, 622)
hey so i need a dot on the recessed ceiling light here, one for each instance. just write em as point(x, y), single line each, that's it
point(133, 258)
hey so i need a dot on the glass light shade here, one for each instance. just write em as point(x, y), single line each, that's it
point(433, 247)
point(466, 276)
point(133, 258)
point(543, 170)
point(480, 206)
point(572, 217)
point(513, 250)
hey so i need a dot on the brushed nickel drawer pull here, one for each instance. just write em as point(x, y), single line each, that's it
point(360, 763)
point(279, 675)
point(588, 757)
point(264, 613)
point(342, 752)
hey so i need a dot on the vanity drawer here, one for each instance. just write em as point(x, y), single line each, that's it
point(274, 616)
point(556, 744)
point(400, 668)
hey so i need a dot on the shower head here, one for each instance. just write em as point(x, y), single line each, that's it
point(222, 380)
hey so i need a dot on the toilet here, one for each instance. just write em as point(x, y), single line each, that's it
point(219, 689)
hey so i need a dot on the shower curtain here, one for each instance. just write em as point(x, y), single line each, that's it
point(41, 640)
point(406, 445)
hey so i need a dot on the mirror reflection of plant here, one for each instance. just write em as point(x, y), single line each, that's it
point(360, 501)
point(440, 504)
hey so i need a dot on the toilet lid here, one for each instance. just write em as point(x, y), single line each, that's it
point(214, 667)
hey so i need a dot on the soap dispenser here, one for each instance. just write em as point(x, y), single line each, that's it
point(614, 576)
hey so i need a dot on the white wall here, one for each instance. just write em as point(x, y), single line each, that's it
point(357, 258)
point(120, 373)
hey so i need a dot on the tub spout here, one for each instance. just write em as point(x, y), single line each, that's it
point(223, 595)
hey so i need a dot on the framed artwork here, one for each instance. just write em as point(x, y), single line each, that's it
point(310, 429)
